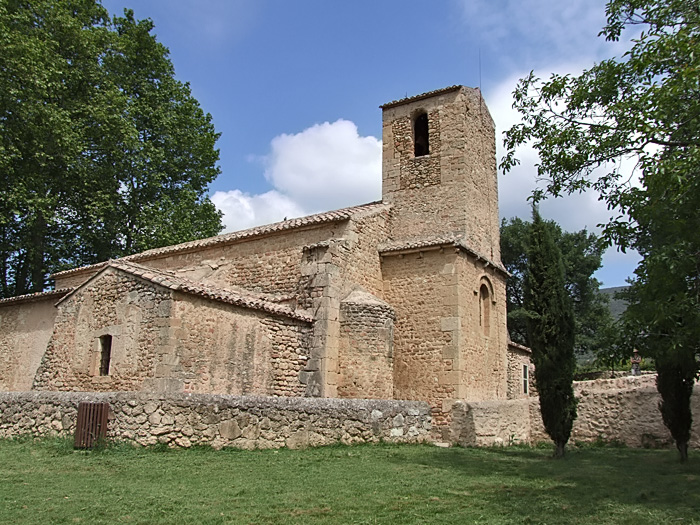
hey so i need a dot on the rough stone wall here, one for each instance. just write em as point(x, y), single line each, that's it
point(167, 342)
point(220, 421)
point(518, 357)
point(621, 410)
point(269, 264)
point(137, 316)
point(488, 423)
point(365, 354)
point(363, 265)
point(454, 188)
point(25, 329)
point(483, 337)
point(624, 410)
point(220, 349)
point(420, 286)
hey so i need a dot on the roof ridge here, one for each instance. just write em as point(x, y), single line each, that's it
point(290, 224)
point(422, 96)
point(175, 282)
point(34, 296)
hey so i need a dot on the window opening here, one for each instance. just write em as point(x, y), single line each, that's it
point(526, 378)
point(485, 309)
point(421, 145)
point(105, 354)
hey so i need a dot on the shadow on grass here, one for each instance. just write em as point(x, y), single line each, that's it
point(591, 483)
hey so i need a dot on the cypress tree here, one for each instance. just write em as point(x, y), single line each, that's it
point(550, 327)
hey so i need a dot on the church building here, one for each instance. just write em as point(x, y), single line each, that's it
point(403, 298)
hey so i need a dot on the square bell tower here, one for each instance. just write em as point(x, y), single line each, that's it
point(439, 168)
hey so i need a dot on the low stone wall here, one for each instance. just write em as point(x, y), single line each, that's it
point(624, 410)
point(220, 420)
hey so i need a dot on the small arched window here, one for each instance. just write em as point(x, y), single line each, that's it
point(105, 354)
point(421, 143)
point(485, 309)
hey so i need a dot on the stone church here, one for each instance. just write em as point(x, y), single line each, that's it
point(398, 299)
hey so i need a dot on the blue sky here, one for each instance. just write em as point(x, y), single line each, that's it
point(294, 87)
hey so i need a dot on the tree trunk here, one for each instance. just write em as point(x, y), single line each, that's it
point(683, 449)
point(560, 450)
point(36, 258)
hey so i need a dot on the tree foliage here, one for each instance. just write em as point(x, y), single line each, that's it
point(103, 152)
point(550, 329)
point(582, 254)
point(642, 109)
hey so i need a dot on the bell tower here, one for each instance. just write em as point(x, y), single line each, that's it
point(439, 168)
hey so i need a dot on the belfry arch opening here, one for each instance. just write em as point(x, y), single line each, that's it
point(421, 141)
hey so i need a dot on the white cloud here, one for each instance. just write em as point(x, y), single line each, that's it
point(542, 29)
point(243, 210)
point(572, 212)
point(325, 167)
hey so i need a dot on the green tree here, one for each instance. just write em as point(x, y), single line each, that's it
point(643, 108)
point(582, 254)
point(550, 328)
point(103, 152)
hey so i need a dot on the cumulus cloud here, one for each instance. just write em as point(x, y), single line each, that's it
point(573, 212)
point(243, 210)
point(325, 167)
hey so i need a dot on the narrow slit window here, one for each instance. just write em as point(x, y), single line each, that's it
point(485, 309)
point(105, 354)
point(421, 143)
point(526, 379)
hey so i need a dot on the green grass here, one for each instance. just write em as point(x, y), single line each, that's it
point(47, 482)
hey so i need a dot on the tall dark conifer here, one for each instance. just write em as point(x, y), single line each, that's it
point(550, 327)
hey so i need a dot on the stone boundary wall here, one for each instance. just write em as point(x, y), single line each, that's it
point(621, 410)
point(247, 422)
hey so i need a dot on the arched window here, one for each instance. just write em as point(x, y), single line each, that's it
point(105, 354)
point(421, 143)
point(485, 309)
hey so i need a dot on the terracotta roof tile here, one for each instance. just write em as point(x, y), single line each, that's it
point(412, 245)
point(38, 296)
point(291, 224)
point(255, 301)
point(422, 96)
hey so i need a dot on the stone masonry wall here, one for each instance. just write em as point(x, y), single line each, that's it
point(171, 342)
point(621, 410)
point(25, 329)
point(420, 286)
point(220, 421)
point(220, 349)
point(137, 316)
point(519, 357)
point(483, 337)
point(363, 266)
point(365, 354)
point(454, 188)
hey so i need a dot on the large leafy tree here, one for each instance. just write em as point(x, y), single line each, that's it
point(550, 329)
point(643, 108)
point(103, 152)
point(582, 254)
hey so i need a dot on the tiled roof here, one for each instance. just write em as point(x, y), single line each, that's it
point(413, 245)
point(421, 96)
point(300, 222)
point(174, 282)
point(38, 296)
point(520, 347)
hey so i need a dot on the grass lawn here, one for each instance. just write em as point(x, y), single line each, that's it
point(47, 482)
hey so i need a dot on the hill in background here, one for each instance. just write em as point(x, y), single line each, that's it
point(617, 306)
